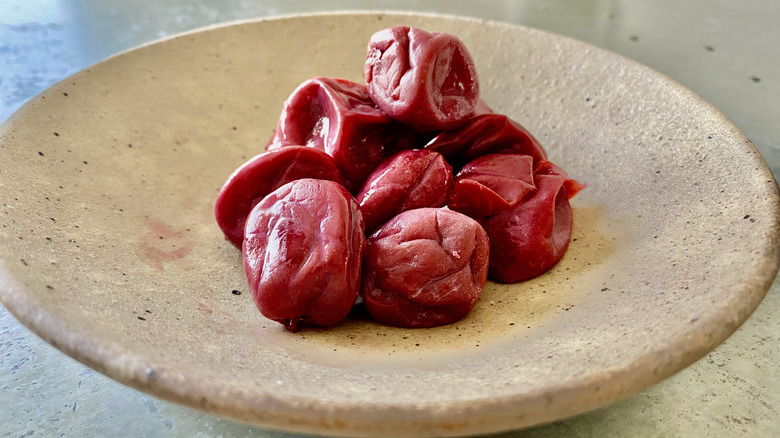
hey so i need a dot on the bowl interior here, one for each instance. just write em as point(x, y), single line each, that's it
point(109, 249)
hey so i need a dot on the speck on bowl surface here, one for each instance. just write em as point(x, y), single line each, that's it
point(109, 250)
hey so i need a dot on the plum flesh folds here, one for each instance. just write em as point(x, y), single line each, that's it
point(261, 175)
point(425, 79)
point(491, 184)
point(338, 117)
point(410, 179)
point(424, 268)
point(303, 251)
point(530, 238)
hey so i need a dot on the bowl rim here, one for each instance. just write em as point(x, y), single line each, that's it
point(441, 418)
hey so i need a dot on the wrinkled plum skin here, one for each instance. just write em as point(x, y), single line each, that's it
point(410, 179)
point(491, 184)
point(261, 175)
point(303, 250)
point(425, 79)
point(529, 239)
point(338, 116)
point(417, 243)
point(424, 268)
point(486, 134)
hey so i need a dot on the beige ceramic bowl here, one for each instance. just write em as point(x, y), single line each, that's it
point(109, 250)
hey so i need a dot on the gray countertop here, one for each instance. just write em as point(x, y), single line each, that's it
point(727, 52)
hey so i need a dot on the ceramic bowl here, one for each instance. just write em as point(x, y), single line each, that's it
point(109, 249)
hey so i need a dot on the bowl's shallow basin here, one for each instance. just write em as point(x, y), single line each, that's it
point(109, 250)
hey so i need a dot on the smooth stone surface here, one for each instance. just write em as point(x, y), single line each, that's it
point(755, 389)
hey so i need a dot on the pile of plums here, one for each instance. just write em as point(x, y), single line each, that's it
point(407, 191)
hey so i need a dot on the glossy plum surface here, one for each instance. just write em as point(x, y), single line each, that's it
point(303, 252)
point(261, 175)
point(338, 117)
point(491, 184)
point(425, 79)
point(531, 238)
point(410, 179)
point(484, 134)
point(425, 267)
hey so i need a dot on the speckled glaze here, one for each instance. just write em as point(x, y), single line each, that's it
point(109, 251)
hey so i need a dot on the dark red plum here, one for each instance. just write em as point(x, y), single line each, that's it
point(303, 250)
point(338, 117)
point(425, 79)
point(529, 239)
point(263, 174)
point(491, 184)
point(410, 179)
point(424, 268)
point(486, 134)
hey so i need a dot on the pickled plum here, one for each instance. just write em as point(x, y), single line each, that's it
point(338, 117)
point(433, 239)
point(261, 175)
point(303, 250)
point(486, 134)
point(424, 268)
point(491, 184)
point(425, 79)
point(411, 179)
point(529, 239)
